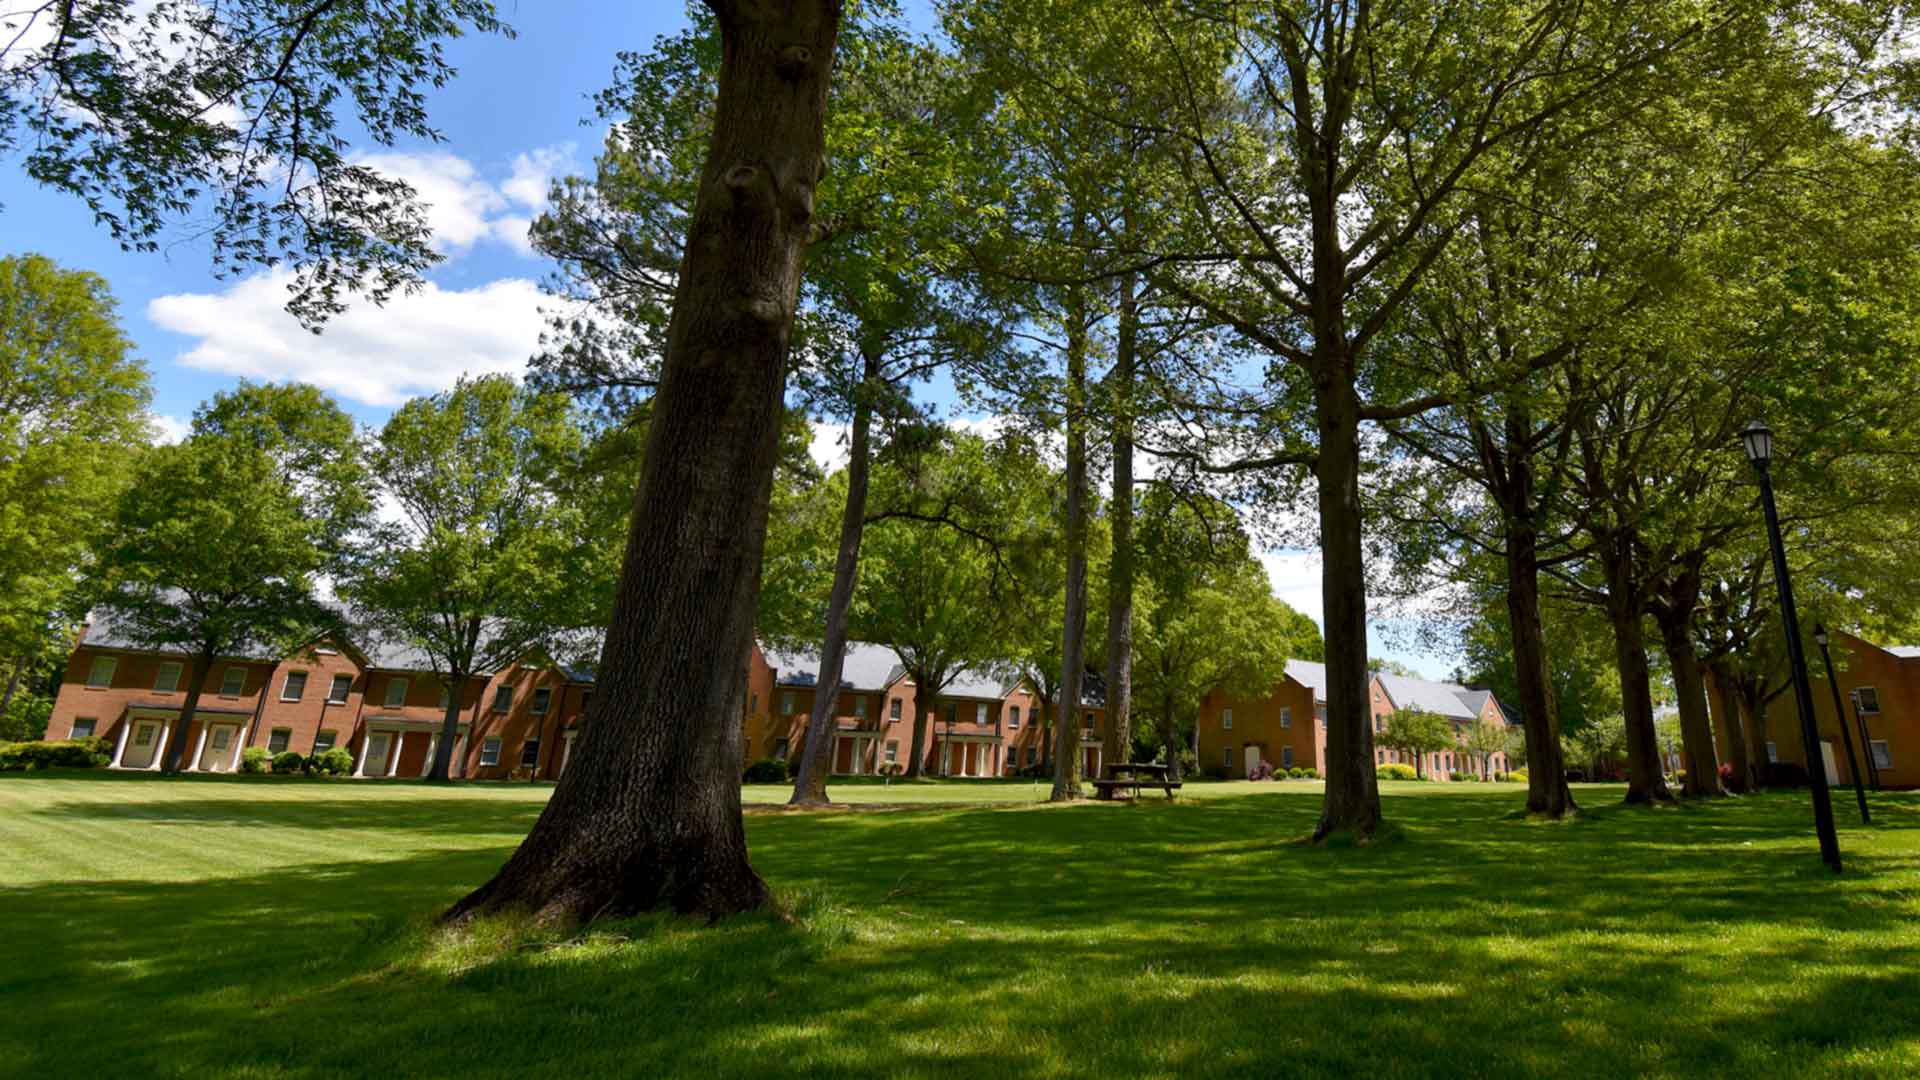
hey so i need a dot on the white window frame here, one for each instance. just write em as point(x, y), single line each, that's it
point(394, 700)
point(980, 713)
point(285, 735)
point(1226, 720)
point(1286, 716)
point(1882, 754)
point(336, 686)
point(490, 751)
point(227, 678)
point(286, 685)
point(893, 751)
point(1013, 716)
point(100, 672)
point(542, 700)
point(1773, 753)
point(324, 741)
point(92, 723)
point(1861, 694)
point(893, 711)
point(502, 699)
point(167, 667)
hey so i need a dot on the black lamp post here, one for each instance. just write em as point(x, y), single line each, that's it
point(1866, 739)
point(1840, 718)
point(1758, 439)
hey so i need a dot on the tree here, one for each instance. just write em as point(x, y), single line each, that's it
point(239, 130)
point(1418, 733)
point(489, 558)
point(72, 405)
point(648, 813)
point(217, 542)
point(1484, 738)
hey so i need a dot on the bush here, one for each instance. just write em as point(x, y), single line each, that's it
point(1517, 776)
point(255, 759)
point(1189, 763)
point(1396, 771)
point(287, 761)
point(1459, 777)
point(1262, 771)
point(1783, 774)
point(334, 761)
point(767, 771)
point(59, 754)
point(1309, 774)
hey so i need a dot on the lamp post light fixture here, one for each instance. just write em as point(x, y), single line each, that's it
point(1840, 717)
point(1758, 440)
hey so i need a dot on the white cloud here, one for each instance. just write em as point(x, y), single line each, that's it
point(1294, 576)
point(533, 174)
point(465, 208)
point(381, 356)
point(828, 447)
point(167, 429)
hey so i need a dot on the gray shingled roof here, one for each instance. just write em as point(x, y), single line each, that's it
point(1310, 673)
point(1905, 652)
point(101, 634)
point(983, 685)
point(866, 667)
point(1444, 699)
point(1475, 699)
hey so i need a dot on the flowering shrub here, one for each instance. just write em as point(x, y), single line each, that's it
point(1262, 771)
point(1396, 771)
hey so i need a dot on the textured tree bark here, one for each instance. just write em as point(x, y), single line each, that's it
point(1646, 782)
point(197, 671)
point(1547, 790)
point(1696, 729)
point(1753, 722)
point(1352, 802)
point(1066, 757)
point(1120, 571)
point(1740, 779)
point(1170, 737)
point(441, 770)
point(917, 767)
point(810, 787)
point(13, 685)
point(648, 813)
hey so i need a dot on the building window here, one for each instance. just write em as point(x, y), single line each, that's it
point(490, 751)
point(893, 752)
point(1033, 756)
point(786, 704)
point(893, 710)
point(1379, 723)
point(530, 754)
point(860, 707)
point(1286, 716)
point(168, 679)
point(502, 699)
point(277, 742)
point(953, 712)
point(1882, 755)
point(396, 693)
point(446, 694)
point(1226, 719)
point(100, 675)
point(541, 699)
point(337, 693)
point(1869, 699)
point(1226, 756)
point(83, 728)
point(143, 734)
point(1286, 756)
point(1013, 716)
point(980, 714)
point(295, 687)
point(780, 748)
point(323, 742)
point(1773, 753)
point(232, 681)
point(1379, 757)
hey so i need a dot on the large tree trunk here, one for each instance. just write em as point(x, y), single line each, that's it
point(1119, 745)
point(1646, 781)
point(917, 761)
point(810, 787)
point(1353, 791)
point(1073, 660)
point(441, 770)
point(197, 670)
point(650, 814)
point(1753, 722)
point(1696, 729)
point(13, 685)
point(1547, 790)
point(1740, 779)
point(1170, 737)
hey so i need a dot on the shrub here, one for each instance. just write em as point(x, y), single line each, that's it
point(1396, 771)
point(1189, 763)
point(891, 769)
point(334, 761)
point(287, 761)
point(1517, 776)
point(1783, 774)
point(59, 754)
point(255, 759)
point(767, 771)
point(1309, 774)
point(1262, 771)
point(1459, 777)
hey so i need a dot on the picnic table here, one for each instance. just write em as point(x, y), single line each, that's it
point(1125, 779)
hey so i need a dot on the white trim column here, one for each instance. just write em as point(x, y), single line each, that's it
point(394, 746)
point(458, 766)
point(360, 762)
point(199, 748)
point(160, 752)
point(433, 744)
point(566, 752)
point(120, 747)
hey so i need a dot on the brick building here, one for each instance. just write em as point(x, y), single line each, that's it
point(1880, 696)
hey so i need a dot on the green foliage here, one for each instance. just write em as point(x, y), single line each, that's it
point(334, 761)
point(230, 115)
point(63, 754)
point(255, 759)
point(72, 422)
point(26, 717)
point(1416, 733)
point(1517, 776)
point(289, 761)
point(1396, 771)
point(767, 771)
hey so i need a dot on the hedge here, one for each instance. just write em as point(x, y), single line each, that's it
point(61, 754)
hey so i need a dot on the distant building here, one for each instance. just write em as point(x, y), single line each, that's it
point(1879, 692)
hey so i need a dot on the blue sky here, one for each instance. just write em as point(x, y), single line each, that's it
point(512, 120)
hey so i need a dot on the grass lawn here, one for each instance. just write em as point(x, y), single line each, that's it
point(278, 928)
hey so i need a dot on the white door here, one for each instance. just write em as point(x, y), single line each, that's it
point(142, 744)
point(1826, 754)
point(376, 764)
point(218, 755)
point(1253, 759)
